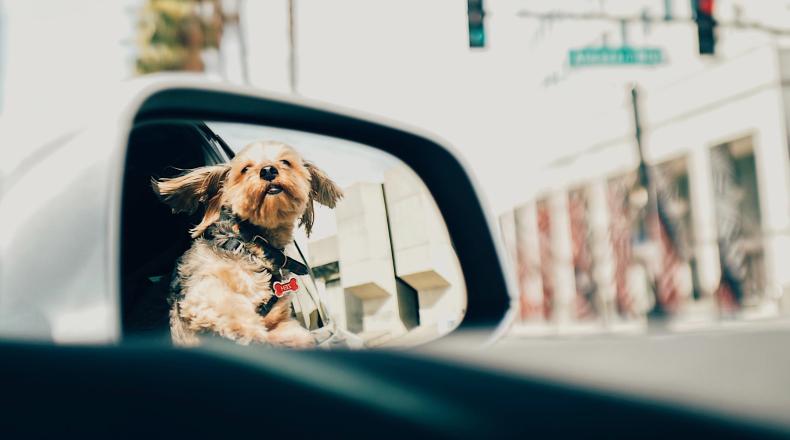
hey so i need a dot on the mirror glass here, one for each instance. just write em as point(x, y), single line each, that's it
point(346, 237)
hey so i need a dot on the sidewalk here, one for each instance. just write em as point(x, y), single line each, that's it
point(541, 329)
point(695, 316)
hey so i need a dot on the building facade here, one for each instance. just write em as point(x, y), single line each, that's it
point(389, 273)
point(715, 138)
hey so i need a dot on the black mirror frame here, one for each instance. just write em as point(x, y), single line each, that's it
point(488, 299)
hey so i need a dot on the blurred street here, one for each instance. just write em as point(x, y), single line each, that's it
point(705, 366)
point(735, 367)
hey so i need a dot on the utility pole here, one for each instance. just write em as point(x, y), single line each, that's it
point(646, 187)
point(292, 65)
point(245, 69)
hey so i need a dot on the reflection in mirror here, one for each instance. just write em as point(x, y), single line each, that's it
point(298, 240)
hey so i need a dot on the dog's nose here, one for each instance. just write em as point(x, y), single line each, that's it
point(268, 173)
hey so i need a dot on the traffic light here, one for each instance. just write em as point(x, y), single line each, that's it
point(477, 33)
point(706, 25)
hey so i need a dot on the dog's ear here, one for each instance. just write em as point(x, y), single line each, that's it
point(307, 218)
point(323, 190)
point(185, 192)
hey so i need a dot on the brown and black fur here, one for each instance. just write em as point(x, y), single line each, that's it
point(219, 291)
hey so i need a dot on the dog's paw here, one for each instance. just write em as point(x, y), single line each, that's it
point(291, 335)
point(245, 334)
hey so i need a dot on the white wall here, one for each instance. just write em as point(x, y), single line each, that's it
point(64, 54)
point(409, 60)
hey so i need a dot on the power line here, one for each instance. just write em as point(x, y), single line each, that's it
point(642, 18)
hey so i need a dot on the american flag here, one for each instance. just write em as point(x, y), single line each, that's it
point(665, 219)
point(522, 272)
point(582, 256)
point(729, 225)
point(528, 267)
point(620, 235)
point(546, 266)
point(528, 308)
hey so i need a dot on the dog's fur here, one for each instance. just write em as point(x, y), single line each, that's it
point(217, 291)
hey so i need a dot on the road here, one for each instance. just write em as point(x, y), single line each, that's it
point(734, 369)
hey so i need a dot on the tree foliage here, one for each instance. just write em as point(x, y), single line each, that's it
point(172, 34)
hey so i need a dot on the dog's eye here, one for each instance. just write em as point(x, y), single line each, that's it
point(244, 170)
point(285, 162)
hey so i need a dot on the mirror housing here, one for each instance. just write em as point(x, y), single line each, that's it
point(51, 296)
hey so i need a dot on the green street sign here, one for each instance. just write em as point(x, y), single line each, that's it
point(598, 56)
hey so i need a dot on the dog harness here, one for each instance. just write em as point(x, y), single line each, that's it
point(249, 233)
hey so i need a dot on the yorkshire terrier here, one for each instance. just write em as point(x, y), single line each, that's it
point(235, 279)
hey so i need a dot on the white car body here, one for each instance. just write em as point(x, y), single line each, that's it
point(60, 203)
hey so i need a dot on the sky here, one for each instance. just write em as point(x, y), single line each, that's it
point(509, 110)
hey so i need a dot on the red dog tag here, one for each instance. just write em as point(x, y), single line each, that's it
point(280, 288)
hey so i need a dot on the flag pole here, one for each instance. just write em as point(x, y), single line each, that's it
point(648, 184)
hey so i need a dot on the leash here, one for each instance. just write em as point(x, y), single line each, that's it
point(328, 334)
point(323, 316)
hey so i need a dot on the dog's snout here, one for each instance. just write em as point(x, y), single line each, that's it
point(268, 173)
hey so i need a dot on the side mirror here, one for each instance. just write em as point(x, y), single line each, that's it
point(407, 254)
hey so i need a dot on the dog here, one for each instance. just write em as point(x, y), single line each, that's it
point(234, 280)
